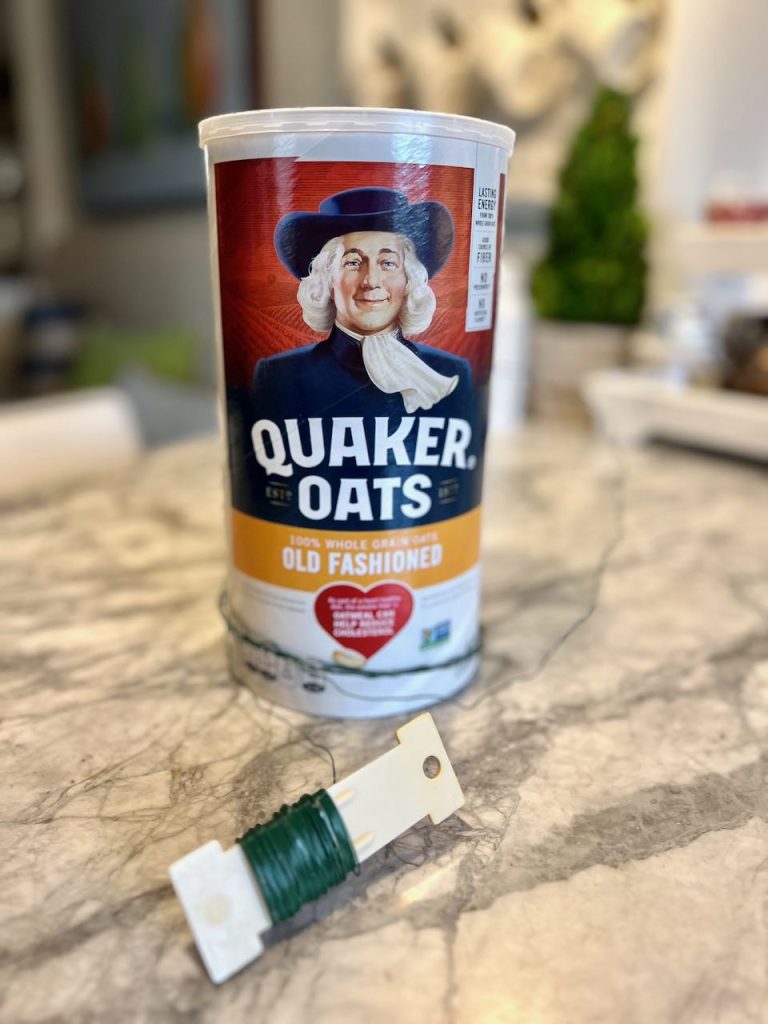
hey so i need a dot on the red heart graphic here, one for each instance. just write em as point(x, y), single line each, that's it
point(364, 620)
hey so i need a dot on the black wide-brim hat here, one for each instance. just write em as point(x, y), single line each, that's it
point(299, 237)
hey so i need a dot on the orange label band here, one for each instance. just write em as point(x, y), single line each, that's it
point(308, 559)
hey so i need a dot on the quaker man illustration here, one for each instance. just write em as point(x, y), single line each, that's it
point(364, 261)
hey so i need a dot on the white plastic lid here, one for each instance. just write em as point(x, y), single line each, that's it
point(355, 119)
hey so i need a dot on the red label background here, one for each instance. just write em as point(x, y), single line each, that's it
point(260, 313)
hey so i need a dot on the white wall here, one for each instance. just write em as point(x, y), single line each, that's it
point(707, 126)
point(712, 115)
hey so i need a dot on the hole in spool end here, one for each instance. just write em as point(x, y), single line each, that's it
point(431, 767)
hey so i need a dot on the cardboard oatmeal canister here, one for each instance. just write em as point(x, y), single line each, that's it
point(355, 257)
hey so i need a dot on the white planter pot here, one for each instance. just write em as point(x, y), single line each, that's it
point(563, 353)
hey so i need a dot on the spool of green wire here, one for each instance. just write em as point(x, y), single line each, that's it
point(299, 854)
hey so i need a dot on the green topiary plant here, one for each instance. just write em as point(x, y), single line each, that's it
point(595, 266)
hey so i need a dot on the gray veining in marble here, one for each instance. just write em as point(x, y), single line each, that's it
point(609, 865)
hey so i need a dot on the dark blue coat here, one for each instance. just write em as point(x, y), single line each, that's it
point(329, 379)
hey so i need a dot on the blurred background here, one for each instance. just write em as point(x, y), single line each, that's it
point(635, 275)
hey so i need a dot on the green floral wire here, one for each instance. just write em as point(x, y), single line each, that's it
point(299, 854)
point(316, 665)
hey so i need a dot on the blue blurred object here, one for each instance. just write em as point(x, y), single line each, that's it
point(50, 344)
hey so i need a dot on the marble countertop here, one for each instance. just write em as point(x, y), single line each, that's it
point(610, 863)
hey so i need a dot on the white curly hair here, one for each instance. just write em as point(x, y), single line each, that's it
point(315, 292)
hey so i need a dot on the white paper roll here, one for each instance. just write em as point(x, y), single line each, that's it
point(48, 442)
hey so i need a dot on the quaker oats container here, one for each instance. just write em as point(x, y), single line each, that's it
point(355, 258)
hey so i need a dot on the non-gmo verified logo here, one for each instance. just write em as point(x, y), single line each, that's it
point(433, 636)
